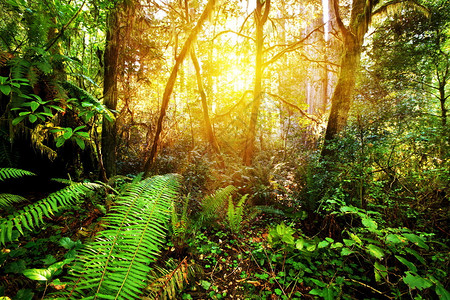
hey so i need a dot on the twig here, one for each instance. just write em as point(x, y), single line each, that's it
point(369, 287)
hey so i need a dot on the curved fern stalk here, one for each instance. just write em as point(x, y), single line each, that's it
point(31, 216)
point(6, 173)
point(116, 264)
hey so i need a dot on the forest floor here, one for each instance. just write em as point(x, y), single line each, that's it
point(236, 266)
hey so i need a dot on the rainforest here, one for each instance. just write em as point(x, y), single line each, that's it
point(210, 149)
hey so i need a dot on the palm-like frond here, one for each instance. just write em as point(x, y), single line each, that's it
point(6, 173)
point(6, 200)
point(116, 264)
point(32, 215)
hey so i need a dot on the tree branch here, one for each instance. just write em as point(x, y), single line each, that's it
point(61, 32)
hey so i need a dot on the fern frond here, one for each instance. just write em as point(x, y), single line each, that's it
point(6, 200)
point(32, 215)
point(84, 96)
point(166, 283)
point(235, 213)
point(213, 205)
point(115, 265)
point(7, 173)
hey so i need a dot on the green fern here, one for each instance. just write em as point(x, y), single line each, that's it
point(32, 215)
point(116, 264)
point(235, 213)
point(166, 282)
point(6, 200)
point(7, 173)
point(213, 206)
point(180, 223)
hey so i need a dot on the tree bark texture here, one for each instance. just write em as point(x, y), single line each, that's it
point(353, 38)
point(111, 60)
point(260, 20)
point(171, 83)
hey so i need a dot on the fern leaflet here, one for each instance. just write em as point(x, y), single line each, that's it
point(7, 173)
point(32, 215)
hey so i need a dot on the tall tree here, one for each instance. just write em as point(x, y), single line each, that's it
point(171, 81)
point(361, 14)
point(110, 96)
point(119, 23)
point(260, 19)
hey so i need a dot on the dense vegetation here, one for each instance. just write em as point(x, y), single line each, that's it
point(218, 149)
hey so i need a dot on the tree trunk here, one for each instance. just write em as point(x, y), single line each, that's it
point(260, 20)
point(208, 126)
point(171, 82)
point(342, 96)
point(111, 60)
point(353, 38)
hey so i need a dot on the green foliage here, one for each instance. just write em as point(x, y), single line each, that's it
point(31, 216)
point(6, 200)
point(398, 258)
point(213, 205)
point(166, 282)
point(6, 173)
point(235, 213)
point(116, 263)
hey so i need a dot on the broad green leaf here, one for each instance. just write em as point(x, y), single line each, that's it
point(369, 223)
point(407, 263)
point(355, 238)
point(60, 141)
point(380, 271)
point(348, 242)
point(83, 134)
point(395, 239)
point(416, 281)
point(5, 89)
point(346, 251)
point(80, 143)
point(311, 247)
point(300, 244)
point(205, 284)
point(79, 127)
point(323, 244)
point(17, 120)
point(38, 274)
point(34, 105)
point(375, 251)
point(348, 209)
point(416, 255)
point(67, 133)
point(413, 238)
point(336, 245)
point(442, 292)
point(32, 118)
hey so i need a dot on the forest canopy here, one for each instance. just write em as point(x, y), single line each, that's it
point(304, 143)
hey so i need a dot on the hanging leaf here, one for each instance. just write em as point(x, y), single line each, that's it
point(5, 89)
point(416, 281)
point(375, 251)
point(407, 263)
point(38, 274)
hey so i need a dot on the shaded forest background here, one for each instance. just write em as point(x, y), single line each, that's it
point(316, 130)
